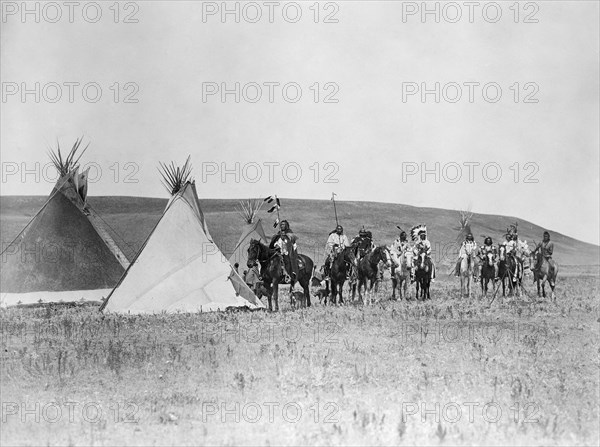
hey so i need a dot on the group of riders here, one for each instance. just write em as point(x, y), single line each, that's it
point(285, 241)
point(511, 246)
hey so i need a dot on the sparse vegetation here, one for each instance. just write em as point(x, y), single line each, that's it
point(360, 375)
point(355, 372)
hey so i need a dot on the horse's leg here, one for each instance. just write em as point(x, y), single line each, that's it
point(341, 292)
point(306, 288)
point(544, 279)
point(335, 292)
point(359, 287)
point(270, 296)
point(469, 283)
point(394, 284)
point(276, 295)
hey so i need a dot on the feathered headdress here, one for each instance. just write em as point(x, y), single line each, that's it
point(417, 230)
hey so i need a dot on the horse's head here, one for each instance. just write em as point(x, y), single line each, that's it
point(489, 258)
point(382, 253)
point(408, 257)
point(350, 256)
point(502, 253)
point(421, 260)
point(254, 252)
point(536, 258)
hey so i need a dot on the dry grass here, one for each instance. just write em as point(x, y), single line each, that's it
point(365, 369)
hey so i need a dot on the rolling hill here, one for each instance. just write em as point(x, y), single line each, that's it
point(131, 219)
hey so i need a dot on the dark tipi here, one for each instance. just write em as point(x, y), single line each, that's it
point(65, 253)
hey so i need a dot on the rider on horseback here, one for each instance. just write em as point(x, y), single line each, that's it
point(421, 246)
point(547, 249)
point(546, 246)
point(336, 243)
point(363, 242)
point(487, 248)
point(398, 248)
point(468, 246)
point(285, 242)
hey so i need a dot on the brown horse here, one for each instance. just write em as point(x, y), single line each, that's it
point(423, 274)
point(488, 273)
point(343, 264)
point(272, 271)
point(368, 270)
point(511, 269)
point(543, 271)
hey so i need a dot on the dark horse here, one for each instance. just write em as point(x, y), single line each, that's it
point(272, 271)
point(543, 271)
point(488, 272)
point(509, 269)
point(368, 270)
point(423, 272)
point(343, 263)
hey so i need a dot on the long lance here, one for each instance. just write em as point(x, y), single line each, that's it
point(278, 217)
point(334, 208)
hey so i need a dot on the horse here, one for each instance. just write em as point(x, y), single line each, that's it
point(368, 270)
point(423, 272)
point(272, 271)
point(544, 271)
point(466, 269)
point(488, 272)
point(401, 275)
point(341, 265)
point(509, 268)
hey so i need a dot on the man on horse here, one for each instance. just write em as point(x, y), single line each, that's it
point(487, 248)
point(468, 246)
point(401, 244)
point(422, 246)
point(398, 248)
point(547, 249)
point(363, 242)
point(285, 241)
point(336, 243)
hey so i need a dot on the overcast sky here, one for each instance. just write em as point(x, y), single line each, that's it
point(534, 153)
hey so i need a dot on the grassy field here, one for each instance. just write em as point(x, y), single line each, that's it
point(521, 371)
point(446, 371)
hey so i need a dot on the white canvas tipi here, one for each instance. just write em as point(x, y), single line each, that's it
point(180, 268)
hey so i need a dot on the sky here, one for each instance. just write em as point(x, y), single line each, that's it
point(317, 99)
